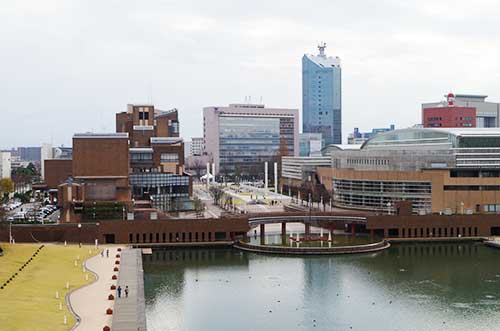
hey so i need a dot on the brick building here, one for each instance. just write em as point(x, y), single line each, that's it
point(138, 169)
point(448, 115)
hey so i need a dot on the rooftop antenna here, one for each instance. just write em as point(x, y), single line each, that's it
point(261, 99)
point(321, 48)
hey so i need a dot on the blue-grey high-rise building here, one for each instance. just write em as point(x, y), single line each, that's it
point(322, 96)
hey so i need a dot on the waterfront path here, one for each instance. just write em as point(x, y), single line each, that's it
point(129, 314)
point(90, 302)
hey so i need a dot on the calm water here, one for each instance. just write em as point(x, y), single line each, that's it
point(408, 287)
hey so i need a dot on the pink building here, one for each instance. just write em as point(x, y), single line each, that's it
point(241, 137)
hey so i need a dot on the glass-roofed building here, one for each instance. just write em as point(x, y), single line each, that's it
point(449, 171)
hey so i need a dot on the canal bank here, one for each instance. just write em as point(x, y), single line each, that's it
point(410, 286)
point(129, 313)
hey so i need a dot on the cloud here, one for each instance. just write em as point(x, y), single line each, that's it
point(68, 66)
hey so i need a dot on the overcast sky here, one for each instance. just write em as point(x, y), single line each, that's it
point(68, 66)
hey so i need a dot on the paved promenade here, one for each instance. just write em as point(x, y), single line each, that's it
point(90, 302)
point(130, 312)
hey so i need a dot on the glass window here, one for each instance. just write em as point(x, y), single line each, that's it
point(169, 157)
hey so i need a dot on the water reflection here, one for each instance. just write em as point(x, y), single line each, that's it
point(408, 287)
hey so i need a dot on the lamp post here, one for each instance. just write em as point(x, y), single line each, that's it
point(79, 234)
point(10, 232)
point(389, 208)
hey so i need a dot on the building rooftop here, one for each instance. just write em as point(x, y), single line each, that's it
point(91, 135)
point(166, 140)
point(324, 61)
point(405, 138)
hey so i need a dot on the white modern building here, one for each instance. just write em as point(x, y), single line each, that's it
point(239, 138)
point(46, 153)
point(5, 164)
point(196, 147)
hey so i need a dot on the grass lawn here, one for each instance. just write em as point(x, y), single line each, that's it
point(28, 302)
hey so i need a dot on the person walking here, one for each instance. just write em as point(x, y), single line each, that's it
point(119, 290)
point(107, 252)
point(126, 291)
point(102, 253)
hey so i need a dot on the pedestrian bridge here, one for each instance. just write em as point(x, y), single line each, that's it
point(326, 221)
point(306, 219)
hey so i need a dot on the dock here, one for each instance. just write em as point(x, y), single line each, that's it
point(130, 313)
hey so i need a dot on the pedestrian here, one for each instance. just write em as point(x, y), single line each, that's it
point(119, 290)
point(102, 253)
point(107, 252)
point(126, 291)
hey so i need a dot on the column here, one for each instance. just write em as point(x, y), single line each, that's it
point(213, 172)
point(208, 174)
point(353, 229)
point(262, 234)
point(276, 177)
point(307, 229)
point(265, 176)
point(283, 234)
point(372, 233)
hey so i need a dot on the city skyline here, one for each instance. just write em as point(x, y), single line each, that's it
point(95, 58)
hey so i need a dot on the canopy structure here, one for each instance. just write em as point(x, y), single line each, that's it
point(204, 177)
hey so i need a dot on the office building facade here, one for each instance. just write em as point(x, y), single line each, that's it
point(322, 96)
point(241, 137)
point(487, 113)
point(310, 144)
point(196, 146)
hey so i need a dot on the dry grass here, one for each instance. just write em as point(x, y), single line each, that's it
point(28, 302)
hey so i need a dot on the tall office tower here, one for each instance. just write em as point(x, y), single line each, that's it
point(322, 96)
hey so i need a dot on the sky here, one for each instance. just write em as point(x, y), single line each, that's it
point(68, 66)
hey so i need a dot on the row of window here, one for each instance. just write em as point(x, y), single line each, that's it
point(368, 161)
point(434, 232)
point(175, 237)
point(472, 188)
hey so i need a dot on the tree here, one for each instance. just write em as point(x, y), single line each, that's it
point(199, 207)
point(198, 166)
point(6, 186)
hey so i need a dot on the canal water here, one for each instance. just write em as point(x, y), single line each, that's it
point(407, 287)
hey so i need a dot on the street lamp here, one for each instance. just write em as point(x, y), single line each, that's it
point(389, 208)
point(80, 235)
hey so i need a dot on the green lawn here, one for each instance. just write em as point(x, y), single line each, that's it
point(28, 302)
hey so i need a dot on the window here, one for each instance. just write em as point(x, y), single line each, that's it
point(169, 157)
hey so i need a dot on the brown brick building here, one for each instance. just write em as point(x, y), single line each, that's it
point(142, 162)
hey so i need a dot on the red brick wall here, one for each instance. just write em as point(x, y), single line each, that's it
point(57, 171)
point(449, 117)
point(100, 157)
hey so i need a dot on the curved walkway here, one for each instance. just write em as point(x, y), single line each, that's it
point(90, 302)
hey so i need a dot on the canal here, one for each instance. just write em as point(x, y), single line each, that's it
point(407, 287)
